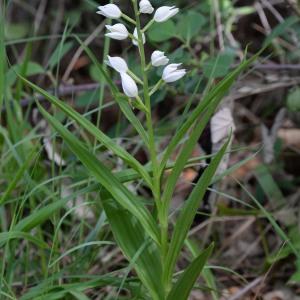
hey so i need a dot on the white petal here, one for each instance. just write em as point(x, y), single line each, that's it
point(129, 86)
point(164, 13)
point(116, 36)
point(117, 31)
point(174, 76)
point(110, 11)
point(117, 63)
point(135, 34)
point(158, 58)
point(146, 7)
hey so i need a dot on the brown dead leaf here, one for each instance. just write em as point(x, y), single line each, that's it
point(290, 137)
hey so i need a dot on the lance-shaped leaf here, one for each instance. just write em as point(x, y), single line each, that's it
point(136, 245)
point(186, 281)
point(188, 213)
point(184, 155)
point(95, 131)
point(106, 178)
point(216, 94)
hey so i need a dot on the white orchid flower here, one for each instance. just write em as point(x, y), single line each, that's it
point(129, 86)
point(164, 13)
point(117, 63)
point(135, 40)
point(158, 58)
point(146, 7)
point(171, 73)
point(117, 32)
point(111, 11)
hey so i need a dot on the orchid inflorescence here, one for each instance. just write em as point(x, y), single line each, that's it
point(171, 72)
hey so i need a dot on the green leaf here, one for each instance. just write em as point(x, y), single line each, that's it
point(32, 68)
point(216, 94)
point(16, 30)
point(132, 239)
point(188, 212)
point(39, 216)
point(106, 178)
point(160, 32)
point(59, 53)
point(219, 66)
point(12, 235)
point(293, 100)
point(95, 131)
point(17, 177)
point(269, 185)
point(190, 25)
point(280, 29)
point(185, 283)
point(2, 55)
point(184, 155)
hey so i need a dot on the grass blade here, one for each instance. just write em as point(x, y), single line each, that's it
point(92, 129)
point(131, 238)
point(185, 283)
point(110, 182)
point(216, 94)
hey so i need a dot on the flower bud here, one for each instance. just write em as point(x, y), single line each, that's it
point(146, 7)
point(171, 73)
point(136, 37)
point(111, 11)
point(117, 32)
point(158, 58)
point(164, 13)
point(129, 86)
point(117, 63)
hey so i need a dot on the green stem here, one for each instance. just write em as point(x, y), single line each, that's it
point(157, 87)
point(152, 149)
point(125, 17)
point(134, 77)
point(148, 26)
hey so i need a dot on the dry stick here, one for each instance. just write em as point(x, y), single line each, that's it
point(294, 6)
point(55, 29)
point(271, 8)
point(73, 89)
point(77, 54)
point(246, 289)
point(40, 15)
point(219, 24)
point(250, 248)
point(62, 91)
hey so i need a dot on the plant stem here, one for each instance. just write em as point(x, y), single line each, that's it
point(152, 149)
point(148, 26)
point(125, 17)
point(157, 87)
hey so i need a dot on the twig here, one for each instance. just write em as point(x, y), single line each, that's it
point(62, 91)
point(219, 25)
point(77, 54)
point(246, 289)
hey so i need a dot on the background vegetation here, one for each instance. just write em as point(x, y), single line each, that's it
point(55, 240)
